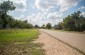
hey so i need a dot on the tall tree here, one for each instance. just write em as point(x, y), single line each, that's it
point(5, 7)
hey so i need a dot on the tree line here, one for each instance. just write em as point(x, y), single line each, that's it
point(73, 22)
point(7, 21)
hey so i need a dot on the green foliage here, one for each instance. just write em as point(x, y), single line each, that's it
point(36, 26)
point(12, 23)
point(5, 7)
point(48, 26)
point(74, 22)
point(1, 21)
point(68, 23)
point(8, 21)
point(21, 24)
point(59, 26)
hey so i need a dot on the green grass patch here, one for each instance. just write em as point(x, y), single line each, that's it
point(70, 31)
point(19, 42)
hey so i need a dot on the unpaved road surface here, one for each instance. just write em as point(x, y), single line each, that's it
point(76, 40)
point(53, 46)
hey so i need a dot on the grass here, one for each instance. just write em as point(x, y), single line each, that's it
point(69, 31)
point(19, 42)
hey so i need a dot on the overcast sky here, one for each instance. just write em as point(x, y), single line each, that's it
point(44, 11)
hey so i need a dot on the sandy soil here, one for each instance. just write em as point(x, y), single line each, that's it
point(55, 47)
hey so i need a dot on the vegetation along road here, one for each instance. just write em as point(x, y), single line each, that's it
point(19, 42)
point(75, 40)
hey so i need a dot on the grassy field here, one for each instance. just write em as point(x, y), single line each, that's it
point(19, 42)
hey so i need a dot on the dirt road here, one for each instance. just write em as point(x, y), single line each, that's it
point(74, 39)
point(53, 46)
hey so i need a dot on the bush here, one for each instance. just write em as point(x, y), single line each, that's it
point(48, 26)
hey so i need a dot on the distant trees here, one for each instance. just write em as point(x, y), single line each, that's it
point(48, 26)
point(59, 26)
point(36, 26)
point(73, 22)
point(13, 23)
point(43, 26)
point(21, 24)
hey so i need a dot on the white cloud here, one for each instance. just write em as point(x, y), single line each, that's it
point(66, 4)
point(55, 15)
point(63, 4)
point(44, 5)
point(21, 10)
point(20, 18)
point(82, 7)
point(42, 18)
point(83, 14)
point(36, 18)
point(20, 5)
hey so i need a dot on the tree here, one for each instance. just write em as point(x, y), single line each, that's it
point(59, 26)
point(30, 25)
point(68, 23)
point(36, 26)
point(5, 7)
point(43, 26)
point(48, 26)
point(55, 26)
point(74, 22)
point(7, 20)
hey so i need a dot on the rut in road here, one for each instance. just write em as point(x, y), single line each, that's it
point(55, 47)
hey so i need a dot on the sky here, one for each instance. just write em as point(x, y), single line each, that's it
point(45, 11)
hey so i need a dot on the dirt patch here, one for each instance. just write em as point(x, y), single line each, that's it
point(55, 47)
